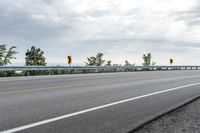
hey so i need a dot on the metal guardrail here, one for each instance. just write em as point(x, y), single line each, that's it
point(7, 71)
point(96, 68)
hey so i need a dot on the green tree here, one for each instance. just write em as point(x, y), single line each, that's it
point(108, 63)
point(127, 63)
point(95, 60)
point(35, 57)
point(147, 59)
point(99, 60)
point(6, 55)
point(91, 61)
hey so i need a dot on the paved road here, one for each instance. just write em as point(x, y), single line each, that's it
point(111, 102)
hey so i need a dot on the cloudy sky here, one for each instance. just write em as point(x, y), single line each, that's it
point(121, 29)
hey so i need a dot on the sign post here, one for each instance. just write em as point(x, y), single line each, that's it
point(171, 61)
point(69, 60)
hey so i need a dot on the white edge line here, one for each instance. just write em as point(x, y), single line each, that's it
point(91, 109)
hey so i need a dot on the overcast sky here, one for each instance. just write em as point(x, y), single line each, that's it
point(121, 29)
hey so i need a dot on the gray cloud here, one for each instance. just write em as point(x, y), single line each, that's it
point(37, 22)
point(145, 40)
point(190, 17)
point(82, 28)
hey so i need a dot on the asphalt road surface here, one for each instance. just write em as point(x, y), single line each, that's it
point(92, 103)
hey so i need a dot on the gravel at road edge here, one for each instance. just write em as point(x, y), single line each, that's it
point(182, 120)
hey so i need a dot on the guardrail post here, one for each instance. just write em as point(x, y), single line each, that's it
point(52, 72)
point(70, 71)
point(49, 72)
point(5, 74)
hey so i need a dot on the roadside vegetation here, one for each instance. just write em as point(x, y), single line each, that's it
point(36, 57)
point(6, 55)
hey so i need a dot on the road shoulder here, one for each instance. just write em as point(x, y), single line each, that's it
point(185, 119)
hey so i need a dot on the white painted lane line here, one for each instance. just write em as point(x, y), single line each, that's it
point(92, 109)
